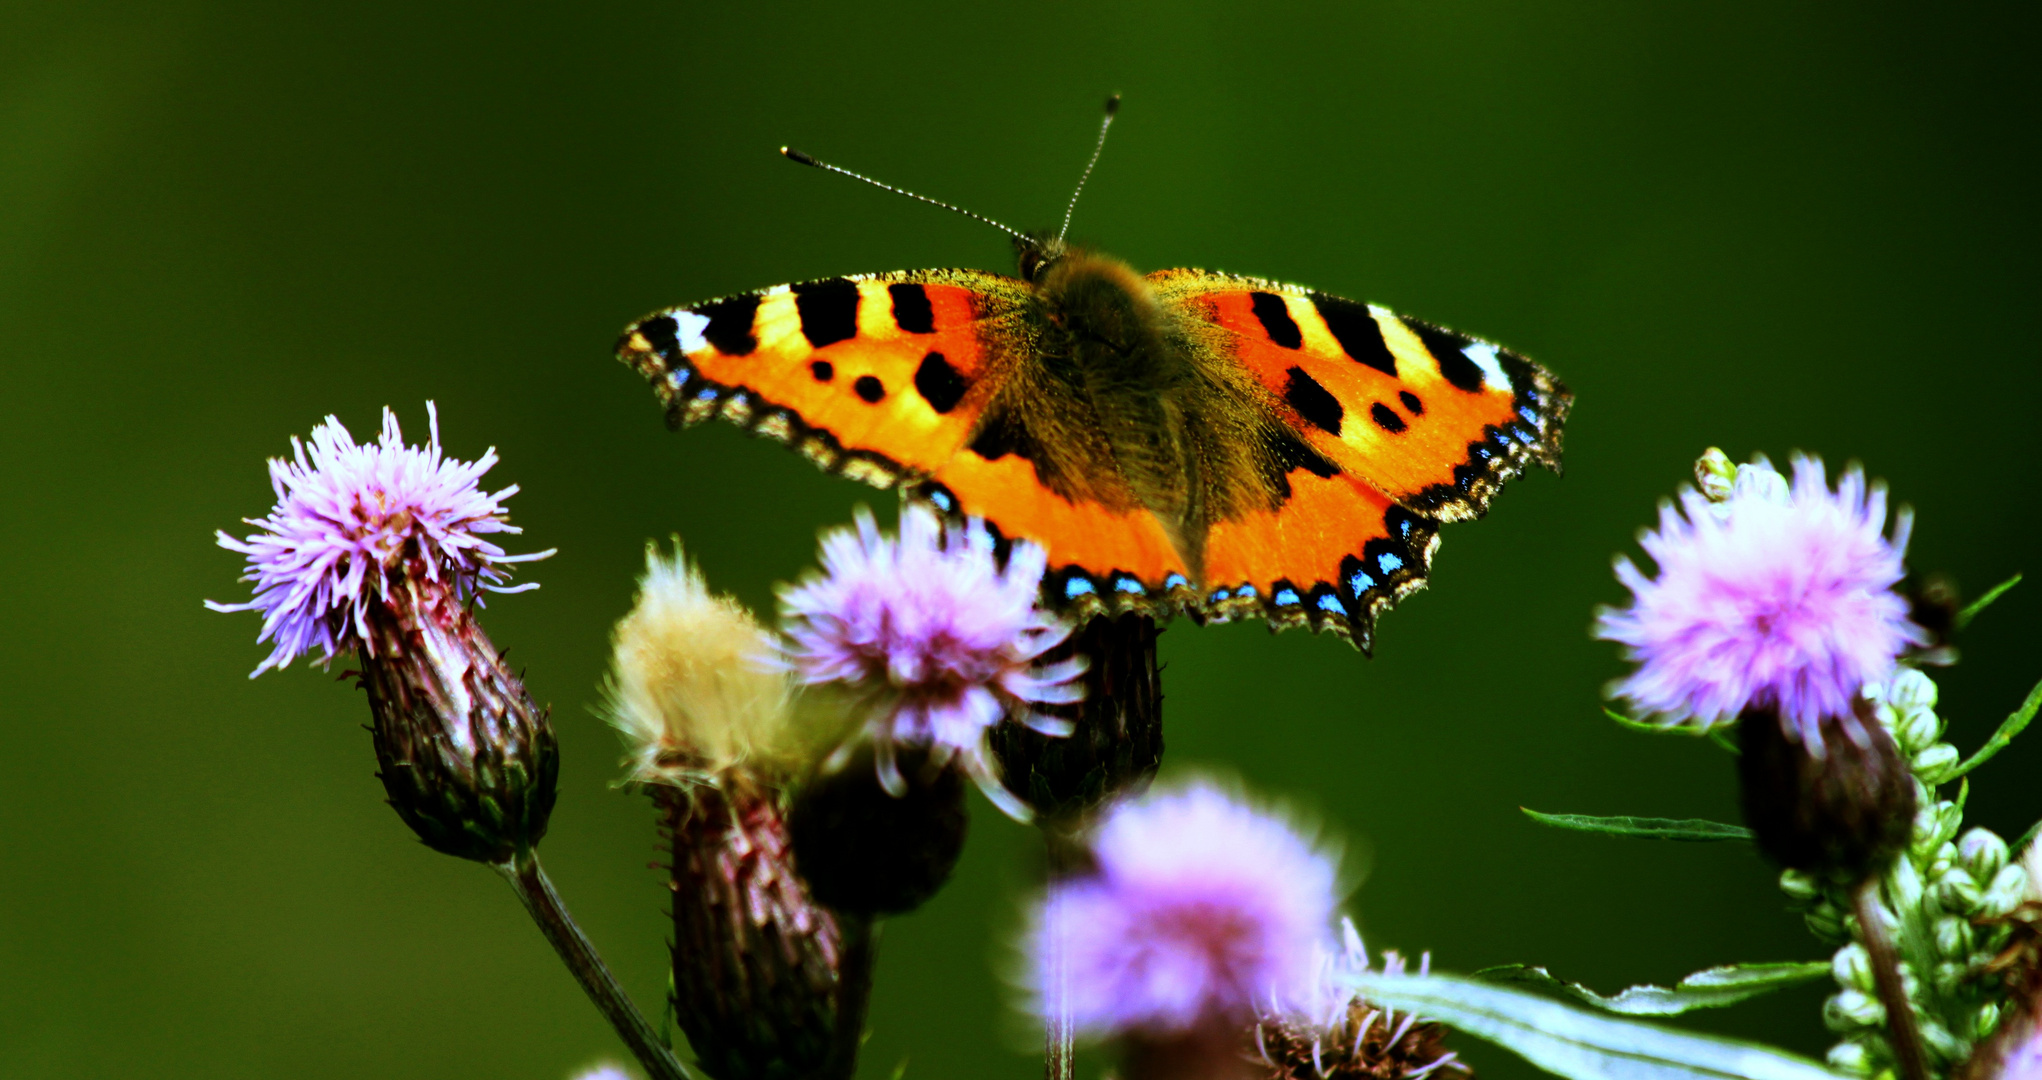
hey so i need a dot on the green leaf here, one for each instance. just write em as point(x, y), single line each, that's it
point(1578, 1044)
point(1693, 830)
point(1715, 734)
point(2007, 730)
point(2028, 837)
point(1972, 609)
point(1710, 989)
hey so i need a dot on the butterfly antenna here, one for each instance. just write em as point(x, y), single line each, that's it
point(800, 158)
point(1112, 106)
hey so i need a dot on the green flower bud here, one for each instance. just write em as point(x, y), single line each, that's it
point(1911, 691)
point(1986, 1020)
point(1715, 475)
point(2008, 888)
point(1904, 889)
point(1944, 1048)
point(1848, 1010)
point(1917, 730)
point(1949, 975)
point(1983, 853)
point(1799, 885)
point(1825, 921)
point(1852, 967)
point(1954, 937)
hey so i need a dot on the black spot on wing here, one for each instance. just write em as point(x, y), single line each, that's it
point(1276, 320)
point(660, 330)
point(1003, 435)
point(730, 324)
point(1445, 348)
point(1411, 402)
point(911, 309)
point(1357, 332)
point(1319, 408)
point(1286, 453)
point(1386, 418)
point(869, 389)
point(828, 309)
point(939, 383)
point(823, 370)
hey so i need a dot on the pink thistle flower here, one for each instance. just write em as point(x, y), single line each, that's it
point(351, 520)
point(1774, 597)
point(938, 639)
point(1202, 912)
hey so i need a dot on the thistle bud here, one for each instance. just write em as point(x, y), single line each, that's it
point(1116, 737)
point(867, 851)
point(467, 760)
point(1841, 807)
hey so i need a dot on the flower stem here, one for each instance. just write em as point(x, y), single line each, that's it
point(1057, 1052)
point(854, 994)
point(529, 880)
point(1901, 1027)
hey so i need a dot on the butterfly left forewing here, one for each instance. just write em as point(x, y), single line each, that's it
point(877, 377)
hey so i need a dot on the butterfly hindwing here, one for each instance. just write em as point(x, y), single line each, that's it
point(1434, 420)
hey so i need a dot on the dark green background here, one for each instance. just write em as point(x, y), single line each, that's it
point(1761, 225)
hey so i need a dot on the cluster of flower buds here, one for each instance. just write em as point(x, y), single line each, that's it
point(1941, 897)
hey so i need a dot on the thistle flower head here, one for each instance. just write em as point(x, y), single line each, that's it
point(352, 519)
point(692, 687)
point(935, 637)
point(1201, 910)
point(1773, 596)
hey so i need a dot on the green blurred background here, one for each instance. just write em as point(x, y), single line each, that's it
point(1764, 226)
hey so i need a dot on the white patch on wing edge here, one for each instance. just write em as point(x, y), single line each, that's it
point(1484, 356)
point(688, 327)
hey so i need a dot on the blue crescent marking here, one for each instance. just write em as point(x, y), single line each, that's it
point(1077, 587)
point(1360, 582)
point(1329, 602)
point(1286, 597)
point(1129, 585)
point(1389, 563)
point(1530, 416)
point(1174, 581)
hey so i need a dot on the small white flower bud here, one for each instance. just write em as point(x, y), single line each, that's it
point(1852, 967)
point(1943, 1046)
point(1986, 1020)
point(1917, 730)
point(1852, 1056)
point(2008, 888)
point(1983, 852)
point(1848, 1010)
point(1936, 760)
point(1904, 889)
point(1958, 890)
point(1911, 690)
point(1941, 861)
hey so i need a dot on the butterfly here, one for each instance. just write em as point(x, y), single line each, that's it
point(1182, 441)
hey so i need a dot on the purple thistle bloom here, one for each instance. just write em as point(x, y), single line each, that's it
point(1776, 597)
point(939, 638)
point(350, 520)
point(1201, 911)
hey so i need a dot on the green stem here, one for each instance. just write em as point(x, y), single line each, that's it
point(854, 994)
point(1901, 1025)
point(530, 882)
point(1058, 1055)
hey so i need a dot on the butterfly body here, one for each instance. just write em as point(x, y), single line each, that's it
point(1177, 441)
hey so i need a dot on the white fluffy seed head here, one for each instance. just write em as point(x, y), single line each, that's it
point(692, 688)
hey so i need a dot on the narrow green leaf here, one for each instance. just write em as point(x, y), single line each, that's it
point(1715, 734)
point(1578, 1044)
point(1972, 609)
point(1710, 989)
point(2007, 730)
point(1722, 738)
point(1693, 830)
point(2028, 837)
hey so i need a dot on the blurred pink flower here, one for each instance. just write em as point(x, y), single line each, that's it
point(1201, 911)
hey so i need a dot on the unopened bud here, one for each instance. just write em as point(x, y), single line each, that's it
point(867, 852)
point(2005, 892)
point(467, 760)
point(1715, 475)
point(1954, 936)
point(1849, 1010)
point(1983, 853)
point(1852, 1057)
point(1844, 811)
point(1116, 738)
point(1852, 968)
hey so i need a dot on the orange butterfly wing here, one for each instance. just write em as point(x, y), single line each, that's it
point(883, 378)
point(1434, 420)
